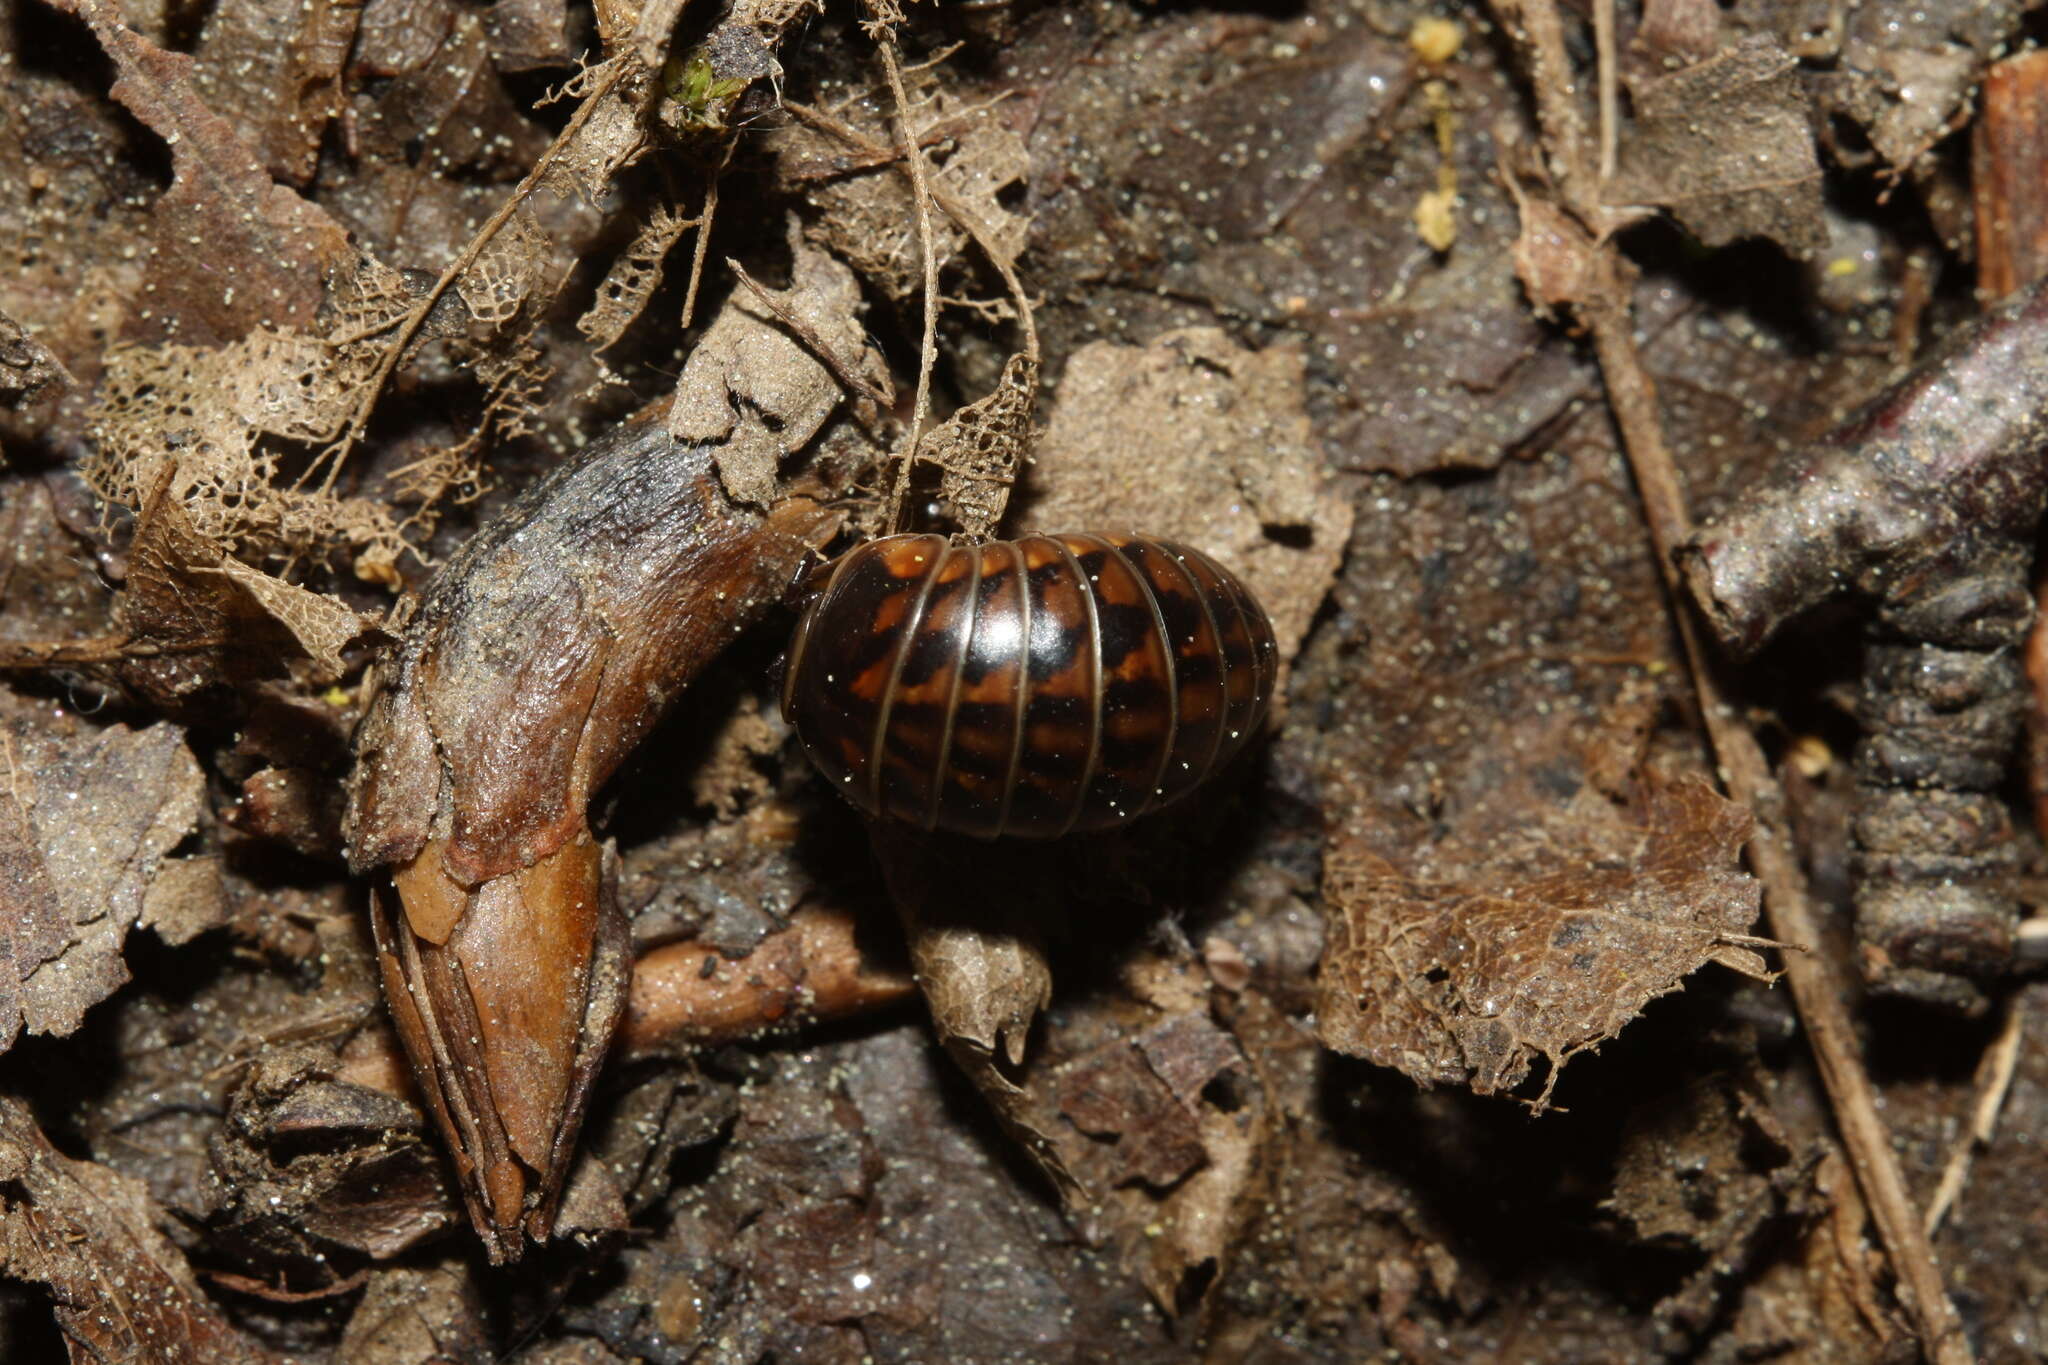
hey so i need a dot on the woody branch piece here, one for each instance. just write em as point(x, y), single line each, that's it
point(538, 658)
point(689, 996)
point(1925, 504)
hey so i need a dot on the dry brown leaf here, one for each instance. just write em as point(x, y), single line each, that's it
point(528, 34)
point(755, 392)
point(89, 1233)
point(1727, 145)
point(273, 68)
point(416, 1314)
point(1112, 1093)
point(308, 1162)
point(443, 110)
point(85, 820)
point(234, 250)
point(1197, 439)
point(985, 976)
point(1172, 1170)
point(1455, 983)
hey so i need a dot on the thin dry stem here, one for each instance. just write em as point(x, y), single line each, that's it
point(334, 456)
point(1994, 1082)
point(928, 346)
point(1610, 97)
point(705, 219)
point(1816, 990)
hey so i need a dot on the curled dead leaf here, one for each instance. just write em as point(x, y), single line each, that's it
point(540, 656)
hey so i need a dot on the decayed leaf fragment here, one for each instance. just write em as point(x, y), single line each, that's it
point(1462, 984)
point(541, 654)
point(1727, 145)
point(867, 202)
point(85, 819)
point(28, 371)
point(980, 448)
point(1232, 424)
point(233, 249)
point(1115, 1107)
point(757, 390)
point(985, 976)
point(88, 1232)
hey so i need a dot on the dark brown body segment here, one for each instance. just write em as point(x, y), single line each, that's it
point(1026, 687)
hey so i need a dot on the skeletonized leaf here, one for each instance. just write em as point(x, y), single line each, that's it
point(980, 448)
point(215, 618)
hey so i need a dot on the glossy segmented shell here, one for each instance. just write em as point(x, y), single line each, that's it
point(1026, 687)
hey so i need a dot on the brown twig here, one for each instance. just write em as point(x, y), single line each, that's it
point(1994, 1082)
point(690, 996)
point(261, 1289)
point(1609, 78)
point(928, 346)
point(1605, 309)
point(810, 338)
point(27, 655)
point(14, 545)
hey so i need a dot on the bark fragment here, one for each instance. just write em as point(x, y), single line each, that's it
point(2009, 175)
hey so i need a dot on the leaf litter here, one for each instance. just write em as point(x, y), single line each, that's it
point(1526, 767)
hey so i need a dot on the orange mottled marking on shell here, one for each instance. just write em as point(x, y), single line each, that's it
point(1026, 687)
